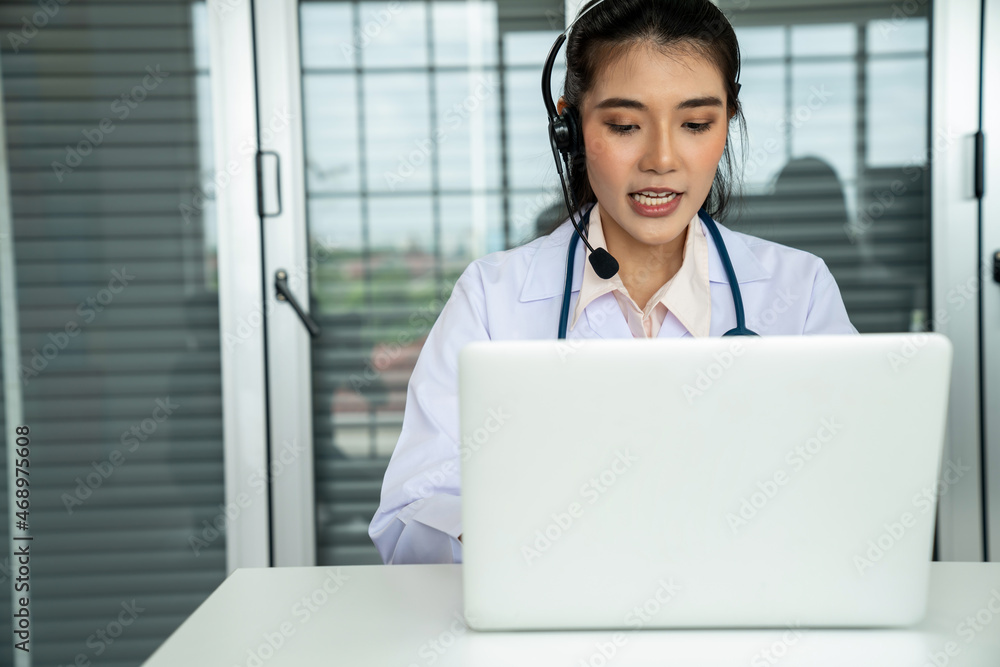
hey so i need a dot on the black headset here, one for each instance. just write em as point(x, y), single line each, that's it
point(566, 141)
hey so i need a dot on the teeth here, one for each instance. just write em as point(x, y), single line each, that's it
point(645, 199)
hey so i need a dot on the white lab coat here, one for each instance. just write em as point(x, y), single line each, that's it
point(517, 294)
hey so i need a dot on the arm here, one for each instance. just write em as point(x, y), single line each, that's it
point(419, 518)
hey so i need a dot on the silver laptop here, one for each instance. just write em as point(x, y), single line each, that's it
point(779, 481)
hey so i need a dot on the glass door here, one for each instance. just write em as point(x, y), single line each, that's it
point(423, 146)
point(121, 181)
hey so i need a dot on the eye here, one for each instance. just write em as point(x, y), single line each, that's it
point(698, 127)
point(622, 129)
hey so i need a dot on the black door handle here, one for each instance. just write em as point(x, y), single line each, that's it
point(285, 294)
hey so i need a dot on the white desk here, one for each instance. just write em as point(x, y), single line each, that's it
point(410, 615)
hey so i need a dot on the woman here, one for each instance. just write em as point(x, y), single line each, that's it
point(654, 85)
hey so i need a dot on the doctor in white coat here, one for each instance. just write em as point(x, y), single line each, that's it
point(654, 117)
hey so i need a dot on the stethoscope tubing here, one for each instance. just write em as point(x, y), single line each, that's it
point(713, 229)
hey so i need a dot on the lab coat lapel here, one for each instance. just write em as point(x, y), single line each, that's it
point(745, 263)
point(603, 317)
point(747, 268)
point(672, 327)
point(546, 279)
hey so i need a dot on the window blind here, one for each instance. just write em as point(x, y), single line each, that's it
point(106, 131)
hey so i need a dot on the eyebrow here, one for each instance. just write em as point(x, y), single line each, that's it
point(693, 103)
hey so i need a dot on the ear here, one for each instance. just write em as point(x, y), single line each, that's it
point(560, 105)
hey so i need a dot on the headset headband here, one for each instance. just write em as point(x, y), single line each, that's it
point(550, 106)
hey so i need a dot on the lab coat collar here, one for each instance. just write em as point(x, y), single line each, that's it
point(546, 276)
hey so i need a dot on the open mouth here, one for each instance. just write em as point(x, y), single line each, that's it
point(653, 199)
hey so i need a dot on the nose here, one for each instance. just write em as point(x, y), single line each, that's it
point(660, 153)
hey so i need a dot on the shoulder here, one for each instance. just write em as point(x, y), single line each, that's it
point(799, 287)
point(494, 294)
point(781, 261)
point(513, 268)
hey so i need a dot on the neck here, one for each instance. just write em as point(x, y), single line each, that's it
point(643, 268)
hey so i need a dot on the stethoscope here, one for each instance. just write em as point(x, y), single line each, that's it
point(741, 327)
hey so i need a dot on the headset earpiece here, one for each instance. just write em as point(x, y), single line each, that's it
point(566, 130)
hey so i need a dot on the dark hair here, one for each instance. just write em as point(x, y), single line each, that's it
point(616, 26)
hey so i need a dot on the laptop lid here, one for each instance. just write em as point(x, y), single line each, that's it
point(711, 482)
